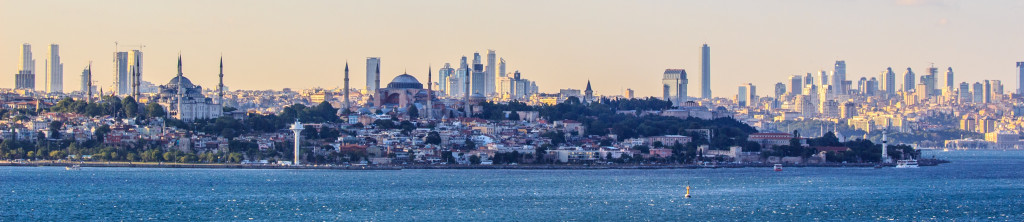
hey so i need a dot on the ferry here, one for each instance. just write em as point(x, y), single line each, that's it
point(73, 167)
point(911, 163)
point(778, 167)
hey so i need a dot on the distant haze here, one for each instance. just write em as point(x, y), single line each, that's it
point(559, 44)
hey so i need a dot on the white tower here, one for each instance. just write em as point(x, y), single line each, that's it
point(885, 149)
point(297, 128)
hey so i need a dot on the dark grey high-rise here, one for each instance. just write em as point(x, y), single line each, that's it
point(705, 72)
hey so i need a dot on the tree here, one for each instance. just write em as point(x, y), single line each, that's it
point(101, 132)
point(474, 159)
point(131, 108)
point(55, 129)
point(433, 138)
point(470, 145)
point(155, 110)
point(413, 112)
point(514, 116)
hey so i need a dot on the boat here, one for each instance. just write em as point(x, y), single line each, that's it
point(778, 167)
point(911, 163)
point(73, 167)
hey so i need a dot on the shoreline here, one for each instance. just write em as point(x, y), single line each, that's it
point(924, 162)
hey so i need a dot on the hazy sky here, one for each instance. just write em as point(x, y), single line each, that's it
point(559, 44)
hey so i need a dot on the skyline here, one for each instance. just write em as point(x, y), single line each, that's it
point(313, 40)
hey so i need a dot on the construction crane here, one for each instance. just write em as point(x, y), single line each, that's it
point(117, 46)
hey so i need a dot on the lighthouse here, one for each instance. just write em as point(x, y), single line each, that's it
point(885, 149)
point(297, 128)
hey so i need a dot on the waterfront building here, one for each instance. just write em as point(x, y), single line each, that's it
point(372, 74)
point(673, 86)
point(705, 72)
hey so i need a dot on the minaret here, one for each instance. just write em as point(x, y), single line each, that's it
point(88, 95)
point(181, 90)
point(220, 87)
point(885, 149)
point(376, 80)
point(347, 104)
point(297, 128)
point(137, 81)
point(430, 90)
point(465, 98)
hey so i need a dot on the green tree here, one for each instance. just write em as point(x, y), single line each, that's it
point(474, 159)
point(433, 138)
point(413, 112)
point(155, 110)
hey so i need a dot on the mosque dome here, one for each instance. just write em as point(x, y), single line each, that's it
point(405, 81)
point(185, 83)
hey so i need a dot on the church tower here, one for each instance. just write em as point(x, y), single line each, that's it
point(588, 94)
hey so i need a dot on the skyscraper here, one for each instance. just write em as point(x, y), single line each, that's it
point(780, 89)
point(490, 76)
point(872, 87)
point(674, 86)
point(26, 77)
point(823, 78)
point(949, 78)
point(56, 84)
point(809, 79)
point(705, 72)
point(796, 84)
point(442, 78)
point(478, 78)
point(134, 72)
point(979, 92)
point(987, 92)
point(85, 80)
point(888, 81)
point(839, 76)
point(121, 73)
point(746, 95)
point(908, 80)
point(965, 93)
point(1020, 78)
point(372, 74)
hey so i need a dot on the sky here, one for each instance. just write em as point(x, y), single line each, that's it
point(557, 43)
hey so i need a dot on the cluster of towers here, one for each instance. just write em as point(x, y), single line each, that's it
point(471, 78)
point(674, 81)
point(53, 70)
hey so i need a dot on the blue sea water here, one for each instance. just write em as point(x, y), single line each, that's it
point(977, 185)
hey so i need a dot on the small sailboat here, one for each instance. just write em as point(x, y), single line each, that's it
point(777, 168)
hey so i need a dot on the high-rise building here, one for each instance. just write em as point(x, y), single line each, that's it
point(490, 75)
point(987, 92)
point(134, 72)
point(839, 76)
point(823, 79)
point(931, 81)
point(997, 87)
point(908, 80)
point(862, 85)
point(26, 77)
point(372, 74)
point(949, 78)
point(674, 86)
point(56, 76)
point(1020, 78)
point(888, 81)
point(443, 76)
point(780, 90)
point(85, 80)
point(501, 68)
point(872, 87)
point(809, 79)
point(796, 84)
point(478, 79)
point(746, 95)
point(965, 93)
point(705, 72)
point(121, 73)
point(629, 93)
point(979, 92)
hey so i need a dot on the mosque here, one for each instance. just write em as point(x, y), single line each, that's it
point(185, 101)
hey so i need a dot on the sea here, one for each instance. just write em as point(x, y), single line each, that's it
point(975, 186)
